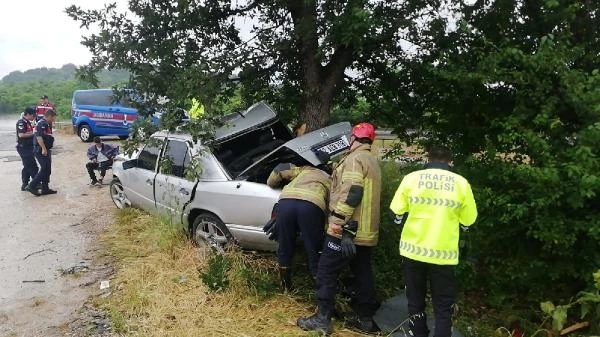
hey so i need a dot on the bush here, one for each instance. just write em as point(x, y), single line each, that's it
point(216, 277)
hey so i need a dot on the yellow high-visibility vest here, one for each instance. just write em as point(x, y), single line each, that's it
point(197, 109)
point(438, 202)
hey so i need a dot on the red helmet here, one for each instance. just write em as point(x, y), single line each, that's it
point(364, 130)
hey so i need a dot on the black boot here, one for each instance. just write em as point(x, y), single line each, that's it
point(285, 279)
point(25, 187)
point(48, 191)
point(34, 190)
point(365, 325)
point(319, 322)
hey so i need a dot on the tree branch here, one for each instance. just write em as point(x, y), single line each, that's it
point(242, 10)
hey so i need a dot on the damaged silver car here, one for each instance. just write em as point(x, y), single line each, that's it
point(229, 201)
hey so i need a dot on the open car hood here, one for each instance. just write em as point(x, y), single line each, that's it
point(245, 121)
point(333, 139)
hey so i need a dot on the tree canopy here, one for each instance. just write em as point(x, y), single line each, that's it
point(302, 56)
point(515, 91)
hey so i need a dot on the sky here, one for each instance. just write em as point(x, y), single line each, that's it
point(38, 33)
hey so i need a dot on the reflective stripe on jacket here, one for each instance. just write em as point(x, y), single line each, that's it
point(355, 193)
point(437, 202)
point(305, 183)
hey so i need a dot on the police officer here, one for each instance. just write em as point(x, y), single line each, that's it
point(25, 146)
point(42, 149)
point(352, 233)
point(44, 105)
point(301, 207)
point(434, 202)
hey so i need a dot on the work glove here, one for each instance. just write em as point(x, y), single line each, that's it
point(271, 229)
point(348, 234)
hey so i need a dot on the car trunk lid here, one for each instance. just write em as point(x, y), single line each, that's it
point(333, 139)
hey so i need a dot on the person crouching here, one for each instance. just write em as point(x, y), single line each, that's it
point(101, 157)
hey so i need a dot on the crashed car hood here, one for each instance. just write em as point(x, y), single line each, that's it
point(334, 138)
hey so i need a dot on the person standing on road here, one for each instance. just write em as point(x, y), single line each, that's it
point(352, 233)
point(301, 207)
point(42, 149)
point(434, 202)
point(25, 147)
point(101, 157)
point(44, 105)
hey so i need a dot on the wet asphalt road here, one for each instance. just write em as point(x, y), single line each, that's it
point(42, 236)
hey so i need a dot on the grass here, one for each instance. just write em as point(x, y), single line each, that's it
point(158, 288)
point(165, 286)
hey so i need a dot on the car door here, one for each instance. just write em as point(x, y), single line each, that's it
point(140, 186)
point(173, 189)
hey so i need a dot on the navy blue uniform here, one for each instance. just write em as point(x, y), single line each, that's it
point(298, 215)
point(331, 263)
point(43, 129)
point(25, 150)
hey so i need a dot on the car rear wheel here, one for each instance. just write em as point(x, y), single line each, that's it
point(117, 194)
point(209, 231)
point(85, 133)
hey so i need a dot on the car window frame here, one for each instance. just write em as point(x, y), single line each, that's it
point(187, 155)
point(161, 149)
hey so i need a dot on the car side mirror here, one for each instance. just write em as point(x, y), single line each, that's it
point(129, 164)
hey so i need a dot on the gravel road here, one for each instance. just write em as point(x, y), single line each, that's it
point(48, 244)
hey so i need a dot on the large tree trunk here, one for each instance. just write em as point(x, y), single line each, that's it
point(318, 81)
point(315, 111)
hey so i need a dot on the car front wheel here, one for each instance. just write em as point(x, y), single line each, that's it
point(208, 231)
point(117, 194)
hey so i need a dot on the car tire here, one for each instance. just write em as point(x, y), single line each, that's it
point(85, 133)
point(123, 137)
point(209, 232)
point(117, 194)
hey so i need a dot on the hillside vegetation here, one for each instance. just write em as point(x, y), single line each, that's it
point(21, 89)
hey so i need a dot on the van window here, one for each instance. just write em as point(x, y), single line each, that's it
point(94, 97)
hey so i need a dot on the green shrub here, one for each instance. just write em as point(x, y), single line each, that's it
point(588, 303)
point(216, 274)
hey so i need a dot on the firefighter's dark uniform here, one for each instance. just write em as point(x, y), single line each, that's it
point(43, 129)
point(355, 194)
point(437, 202)
point(25, 150)
point(301, 207)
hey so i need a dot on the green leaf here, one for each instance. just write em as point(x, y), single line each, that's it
point(559, 317)
point(547, 307)
point(585, 309)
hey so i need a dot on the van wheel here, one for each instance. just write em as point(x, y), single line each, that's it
point(85, 133)
point(208, 231)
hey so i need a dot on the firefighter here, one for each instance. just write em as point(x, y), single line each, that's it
point(301, 207)
point(352, 233)
point(25, 146)
point(434, 202)
point(42, 150)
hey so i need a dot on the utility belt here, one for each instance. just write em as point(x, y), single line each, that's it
point(48, 141)
point(25, 144)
